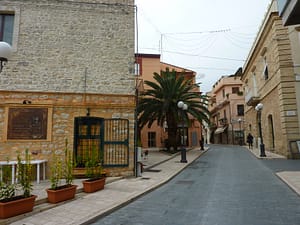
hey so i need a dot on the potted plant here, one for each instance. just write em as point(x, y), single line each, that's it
point(10, 203)
point(94, 173)
point(62, 169)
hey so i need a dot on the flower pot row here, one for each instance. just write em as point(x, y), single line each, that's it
point(67, 192)
point(61, 168)
point(19, 204)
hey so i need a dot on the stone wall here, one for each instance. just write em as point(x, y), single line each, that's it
point(63, 108)
point(71, 46)
point(69, 55)
point(277, 92)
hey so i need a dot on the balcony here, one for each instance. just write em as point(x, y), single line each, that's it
point(219, 106)
point(251, 98)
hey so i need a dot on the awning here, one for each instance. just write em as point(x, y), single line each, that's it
point(220, 130)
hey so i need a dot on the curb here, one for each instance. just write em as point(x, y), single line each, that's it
point(289, 184)
point(154, 187)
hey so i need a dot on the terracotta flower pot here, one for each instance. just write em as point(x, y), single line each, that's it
point(16, 207)
point(93, 185)
point(64, 193)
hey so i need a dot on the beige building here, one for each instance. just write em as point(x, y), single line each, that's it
point(71, 76)
point(271, 76)
point(156, 136)
point(226, 105)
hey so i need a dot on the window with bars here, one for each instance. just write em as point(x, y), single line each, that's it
point(105, 139)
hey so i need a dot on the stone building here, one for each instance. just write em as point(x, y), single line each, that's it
point(156, 136)
point(271, 76)
point(70, 77)
point(226, 104)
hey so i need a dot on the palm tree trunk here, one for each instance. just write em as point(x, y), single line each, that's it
point(172, 138)
point(172, 131)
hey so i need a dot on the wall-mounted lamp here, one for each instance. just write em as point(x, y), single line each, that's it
point(26, 102)
point(88, 111)
point(5, 53)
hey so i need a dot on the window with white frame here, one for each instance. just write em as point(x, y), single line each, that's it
point(6, 27)
point(137, 69)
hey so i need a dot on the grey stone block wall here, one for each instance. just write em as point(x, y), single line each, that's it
point(71, 46)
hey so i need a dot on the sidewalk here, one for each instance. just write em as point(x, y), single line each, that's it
point(269, 155)
point(117, 192)
point(291, 178)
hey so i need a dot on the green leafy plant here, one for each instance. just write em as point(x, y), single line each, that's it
point(93, 165)
point(25, 174)
point(62, 169)
point(7, 189)
point(68, 165)
point(56, 171)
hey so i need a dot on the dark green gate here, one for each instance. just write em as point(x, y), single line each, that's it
point(107, 138)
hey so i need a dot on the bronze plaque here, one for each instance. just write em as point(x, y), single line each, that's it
point(27, 123)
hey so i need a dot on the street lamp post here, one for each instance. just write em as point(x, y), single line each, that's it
point(259, 108)
point(182, 107)
point(5, 52)
point(240, 124)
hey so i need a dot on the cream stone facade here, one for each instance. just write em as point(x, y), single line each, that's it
point(271, 77)
point(72, 59)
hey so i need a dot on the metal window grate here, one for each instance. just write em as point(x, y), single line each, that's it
point(116, 146)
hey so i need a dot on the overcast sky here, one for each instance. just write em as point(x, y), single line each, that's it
point(211, 37)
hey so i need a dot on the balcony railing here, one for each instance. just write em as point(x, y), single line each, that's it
point(251, 98)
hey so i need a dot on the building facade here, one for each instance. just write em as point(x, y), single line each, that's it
point(226, 105)
point(271, 77)
point(70, 77)
point(156, 136)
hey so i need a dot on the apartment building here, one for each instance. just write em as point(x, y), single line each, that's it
point(156, 136)
point(226, 104)
point(71, 76)
point(271, 76)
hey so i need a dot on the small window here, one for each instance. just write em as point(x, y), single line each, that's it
point(151, 139)
point(240, 110)
point(6, 27)
point(266, 70)
point(137, 69)
point(235, 90)
point(223, 92)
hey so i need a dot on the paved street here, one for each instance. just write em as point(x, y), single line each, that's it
point(226, 186)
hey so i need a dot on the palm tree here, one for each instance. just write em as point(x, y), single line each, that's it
point(159, 103)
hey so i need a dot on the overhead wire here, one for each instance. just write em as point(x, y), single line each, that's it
point(195, 44)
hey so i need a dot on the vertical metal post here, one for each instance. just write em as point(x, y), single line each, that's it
point(262, 145)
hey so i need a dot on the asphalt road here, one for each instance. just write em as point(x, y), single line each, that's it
point(225, 186)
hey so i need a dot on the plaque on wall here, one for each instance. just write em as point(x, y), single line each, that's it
point(27, 123)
